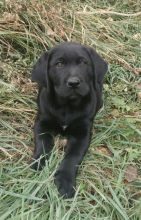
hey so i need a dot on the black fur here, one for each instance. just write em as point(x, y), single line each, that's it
point(70, 78)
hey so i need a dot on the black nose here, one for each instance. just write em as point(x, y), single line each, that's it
point(73, 82)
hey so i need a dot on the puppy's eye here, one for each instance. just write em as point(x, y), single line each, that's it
point(60, 63)
point(82, 61)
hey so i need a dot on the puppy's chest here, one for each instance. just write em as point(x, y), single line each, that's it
point(65, 118)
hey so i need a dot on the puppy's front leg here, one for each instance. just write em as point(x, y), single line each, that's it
point(43, 143)
point(66, 174)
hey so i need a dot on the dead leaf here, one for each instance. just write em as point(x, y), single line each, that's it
point(137, 70)
point(138, 86)
point(138, 90)
point(137, 36)
point(103, 150)
point(139, 95)
point(137, 114)
point(50, 32)
point(131, 173)
point(109, 19)
point(10, 17)
point(115, 113)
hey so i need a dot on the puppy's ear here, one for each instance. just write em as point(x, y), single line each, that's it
point(100, 67)
point(39, 72)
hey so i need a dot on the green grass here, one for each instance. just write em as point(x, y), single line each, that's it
point(27, 28)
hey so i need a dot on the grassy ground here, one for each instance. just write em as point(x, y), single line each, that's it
point(109, 179)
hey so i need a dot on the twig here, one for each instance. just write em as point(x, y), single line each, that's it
point(3, 108)
point(109, 12)
point(5, 152)
point(136, 71)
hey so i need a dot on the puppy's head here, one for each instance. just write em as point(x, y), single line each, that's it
point(70, 70)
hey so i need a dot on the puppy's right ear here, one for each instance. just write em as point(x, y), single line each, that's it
point(39, 72)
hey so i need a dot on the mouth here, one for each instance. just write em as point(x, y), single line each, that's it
point(71, 93)
point(73, 97)
point(74, 94)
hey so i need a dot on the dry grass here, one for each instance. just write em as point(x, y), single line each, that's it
point(105, 191)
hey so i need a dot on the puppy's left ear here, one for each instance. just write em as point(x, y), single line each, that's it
point(39, 72)
point(100, 67)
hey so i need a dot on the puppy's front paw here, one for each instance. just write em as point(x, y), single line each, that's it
point(65, 184)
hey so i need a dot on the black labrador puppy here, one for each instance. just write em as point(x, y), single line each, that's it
point(70, 78)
